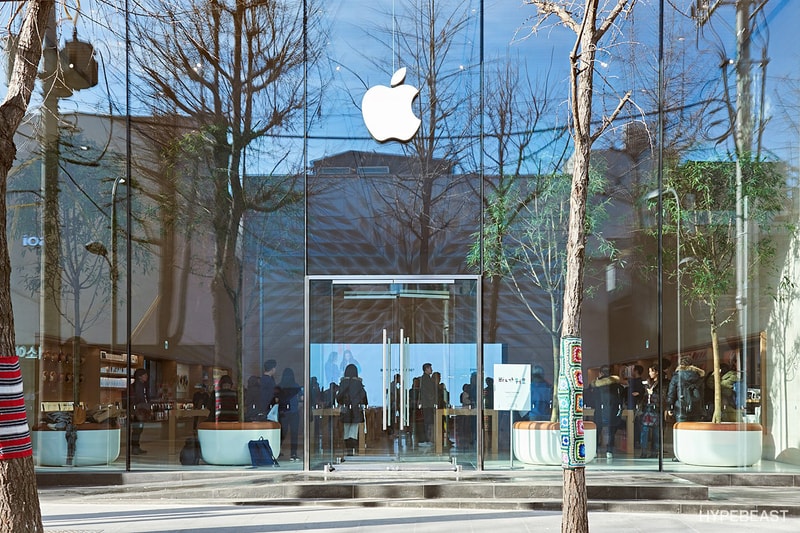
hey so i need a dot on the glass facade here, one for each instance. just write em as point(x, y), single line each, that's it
point(204, 189)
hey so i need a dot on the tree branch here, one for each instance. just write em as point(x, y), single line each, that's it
point(609, 119)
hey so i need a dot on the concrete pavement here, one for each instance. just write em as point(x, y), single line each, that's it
point(183, 516)
point(248, 501)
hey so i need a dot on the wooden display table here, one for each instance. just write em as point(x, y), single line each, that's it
point(489, 425)
point(178, 414)
point(330, 415)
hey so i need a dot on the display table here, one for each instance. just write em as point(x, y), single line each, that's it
point(331, 417)
point(490, 417)
point(96, 444)
point(225, 443)
point(179, 414)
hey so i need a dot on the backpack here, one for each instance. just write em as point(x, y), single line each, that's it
point(190, 453)
point(261, 453)
point(693, 398)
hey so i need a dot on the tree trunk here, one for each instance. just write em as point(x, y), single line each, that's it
point(19, 501)
point(574, 497)
point(575, 514)
point(717, 416)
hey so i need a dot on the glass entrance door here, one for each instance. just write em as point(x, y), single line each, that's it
point(389, 329)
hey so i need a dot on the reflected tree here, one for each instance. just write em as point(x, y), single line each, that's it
point(427, 201)
point(235, 72)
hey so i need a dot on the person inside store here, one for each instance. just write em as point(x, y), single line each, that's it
point(289, 396)
point(488, 394)
point(650, 437)
point(315, 392)
point(728, 383)
point(352, 400)
point(268, 386)
point(253, 411)
point(636, 393)
point(541, 395)
point(428, 393)
point(201, 400)
point(417, 425)
point(227, 401)
point(142, 411)
point(685, 394)
point(606, 395)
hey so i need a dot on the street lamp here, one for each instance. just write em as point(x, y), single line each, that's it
point(114, 269)
point(650, 196)
point(98, 248)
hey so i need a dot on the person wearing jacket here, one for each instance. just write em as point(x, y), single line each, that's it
point(290, 392)
point(541, 395)
point(730, 377)
point(650, 437)
point(352, 399)
point(685, 394)
point(428, 397)
point(140, 397)
point(607, 396)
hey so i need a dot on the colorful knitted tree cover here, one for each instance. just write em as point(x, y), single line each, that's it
point(15, 436)
point(570, 404)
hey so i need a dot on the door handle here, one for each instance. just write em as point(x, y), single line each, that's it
point(386, 399)
point(403, 395)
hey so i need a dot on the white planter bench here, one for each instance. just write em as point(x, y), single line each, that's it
point(539, 443)
point(96, 444)
point(722, 444)
point(225, 443)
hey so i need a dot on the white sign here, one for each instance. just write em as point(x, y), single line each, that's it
point(512, 387)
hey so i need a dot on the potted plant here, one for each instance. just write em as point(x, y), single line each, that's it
point(707, 276)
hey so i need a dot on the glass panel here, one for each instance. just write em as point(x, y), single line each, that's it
point(388, 329)
point(407, 208)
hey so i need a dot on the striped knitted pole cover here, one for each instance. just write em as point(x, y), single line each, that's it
point(15, 436)
point(570, 404)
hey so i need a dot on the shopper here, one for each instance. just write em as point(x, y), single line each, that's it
point(685, 396)
point(352, 400)
point(607, 397)
point(142, 411)
point(227, 401)
point(541, 395)
point(289, 410)
point(268, 386)
point(428, 393)
point(650, 437)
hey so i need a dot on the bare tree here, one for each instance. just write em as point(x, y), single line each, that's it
point(590, 22)
point(237, 70)
point(19, 501)
point(514, 109)
point(428, 198)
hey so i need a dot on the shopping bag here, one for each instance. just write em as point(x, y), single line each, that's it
point(261, 453)
point(272, 416)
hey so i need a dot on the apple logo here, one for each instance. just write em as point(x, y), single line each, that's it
point(387, 110)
